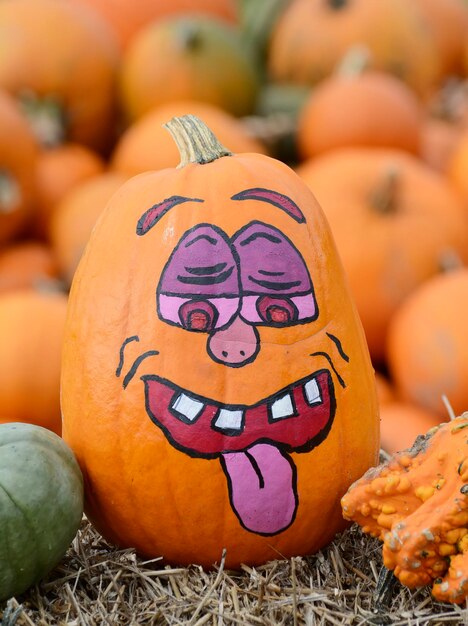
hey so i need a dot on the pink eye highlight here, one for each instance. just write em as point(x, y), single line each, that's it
point(198, 315)
point(276, 311)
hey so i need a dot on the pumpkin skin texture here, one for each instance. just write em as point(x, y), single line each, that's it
point(236, 480)
point(31, 326)
point(394, 220)
point(66, 84)
point(41, 504)
point(311, 37)
point(188, 58)
point(429, 359)
point(416, 503)
point(134, 153)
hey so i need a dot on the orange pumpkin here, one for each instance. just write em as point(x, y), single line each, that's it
point(417, 504)
point(427, 341)
point(18, 153)
point(74, 219)
point(457, 166)
point(365, 109)
point(311, 37)
point(191, 57)
point(215, 382)
point(439, 140)
point(401, 422)
point(448, 20)
point(31, 326)
point(135, 151)
point(60, 61)
point(25, 264)
point(127, 18)
point(394, 220)
point(59, 170)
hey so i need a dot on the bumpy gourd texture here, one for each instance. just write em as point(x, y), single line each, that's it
point(417, 504)
point(41, 504)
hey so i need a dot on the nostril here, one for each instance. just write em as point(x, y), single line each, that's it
point(242, 353)
point(224, 353)
point(236, 345)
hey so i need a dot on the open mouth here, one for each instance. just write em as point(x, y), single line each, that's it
point(295, 418)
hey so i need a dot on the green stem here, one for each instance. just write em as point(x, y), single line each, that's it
point(10, 193)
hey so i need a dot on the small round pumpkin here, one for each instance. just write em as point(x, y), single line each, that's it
point(427, 341)
point(58, 170)
point(75, 217)
point(395, 221)
point(368, 108)
point(439, 141)
point(26, 264)
point(127, 18)
point(31, 327)
point(18, 155)
point(41, 504)
point(191, 57)
point(135, 151)
point(60, 60)
point(215, 377)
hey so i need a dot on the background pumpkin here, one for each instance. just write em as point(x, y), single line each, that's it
point(426, 344)
point(66, 83)
point(394, 221)
point(127, 19)
point(365, 109)
point(121, 450)
point(18, 154)
point(188, 58)
point(401, 422)
point(58, 170)
point(41, 504)
point(31, 326)
point(312, 36)
point(26, 264)
point(74, 219)
point(146, 145)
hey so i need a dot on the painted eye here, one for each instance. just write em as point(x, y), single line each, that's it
point(276, 311)
point(198, 315)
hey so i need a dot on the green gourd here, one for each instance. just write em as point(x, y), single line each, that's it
point(41, 504)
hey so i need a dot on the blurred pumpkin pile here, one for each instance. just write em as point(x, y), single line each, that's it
point(368, 101)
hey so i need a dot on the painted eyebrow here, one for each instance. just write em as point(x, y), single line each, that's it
point(272, 197)
point(154, 213)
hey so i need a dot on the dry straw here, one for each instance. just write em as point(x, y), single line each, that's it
point(96, 584)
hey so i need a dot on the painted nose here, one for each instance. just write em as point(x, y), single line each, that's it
point(236, 345)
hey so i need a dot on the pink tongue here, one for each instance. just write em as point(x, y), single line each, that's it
point(262, 487)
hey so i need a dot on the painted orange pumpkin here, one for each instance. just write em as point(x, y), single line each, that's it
point(216, 384)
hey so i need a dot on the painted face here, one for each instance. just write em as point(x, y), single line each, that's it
point(228, 286)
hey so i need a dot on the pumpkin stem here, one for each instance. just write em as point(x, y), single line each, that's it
point(10, 194)
point(337, 4)
point(195, 141)
point(354, 62)
point(46, 117)
point(383, 199)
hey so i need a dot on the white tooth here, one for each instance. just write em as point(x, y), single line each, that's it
point(312, 392)
point(229, 420)
point(187, 406)
point(283, 407)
